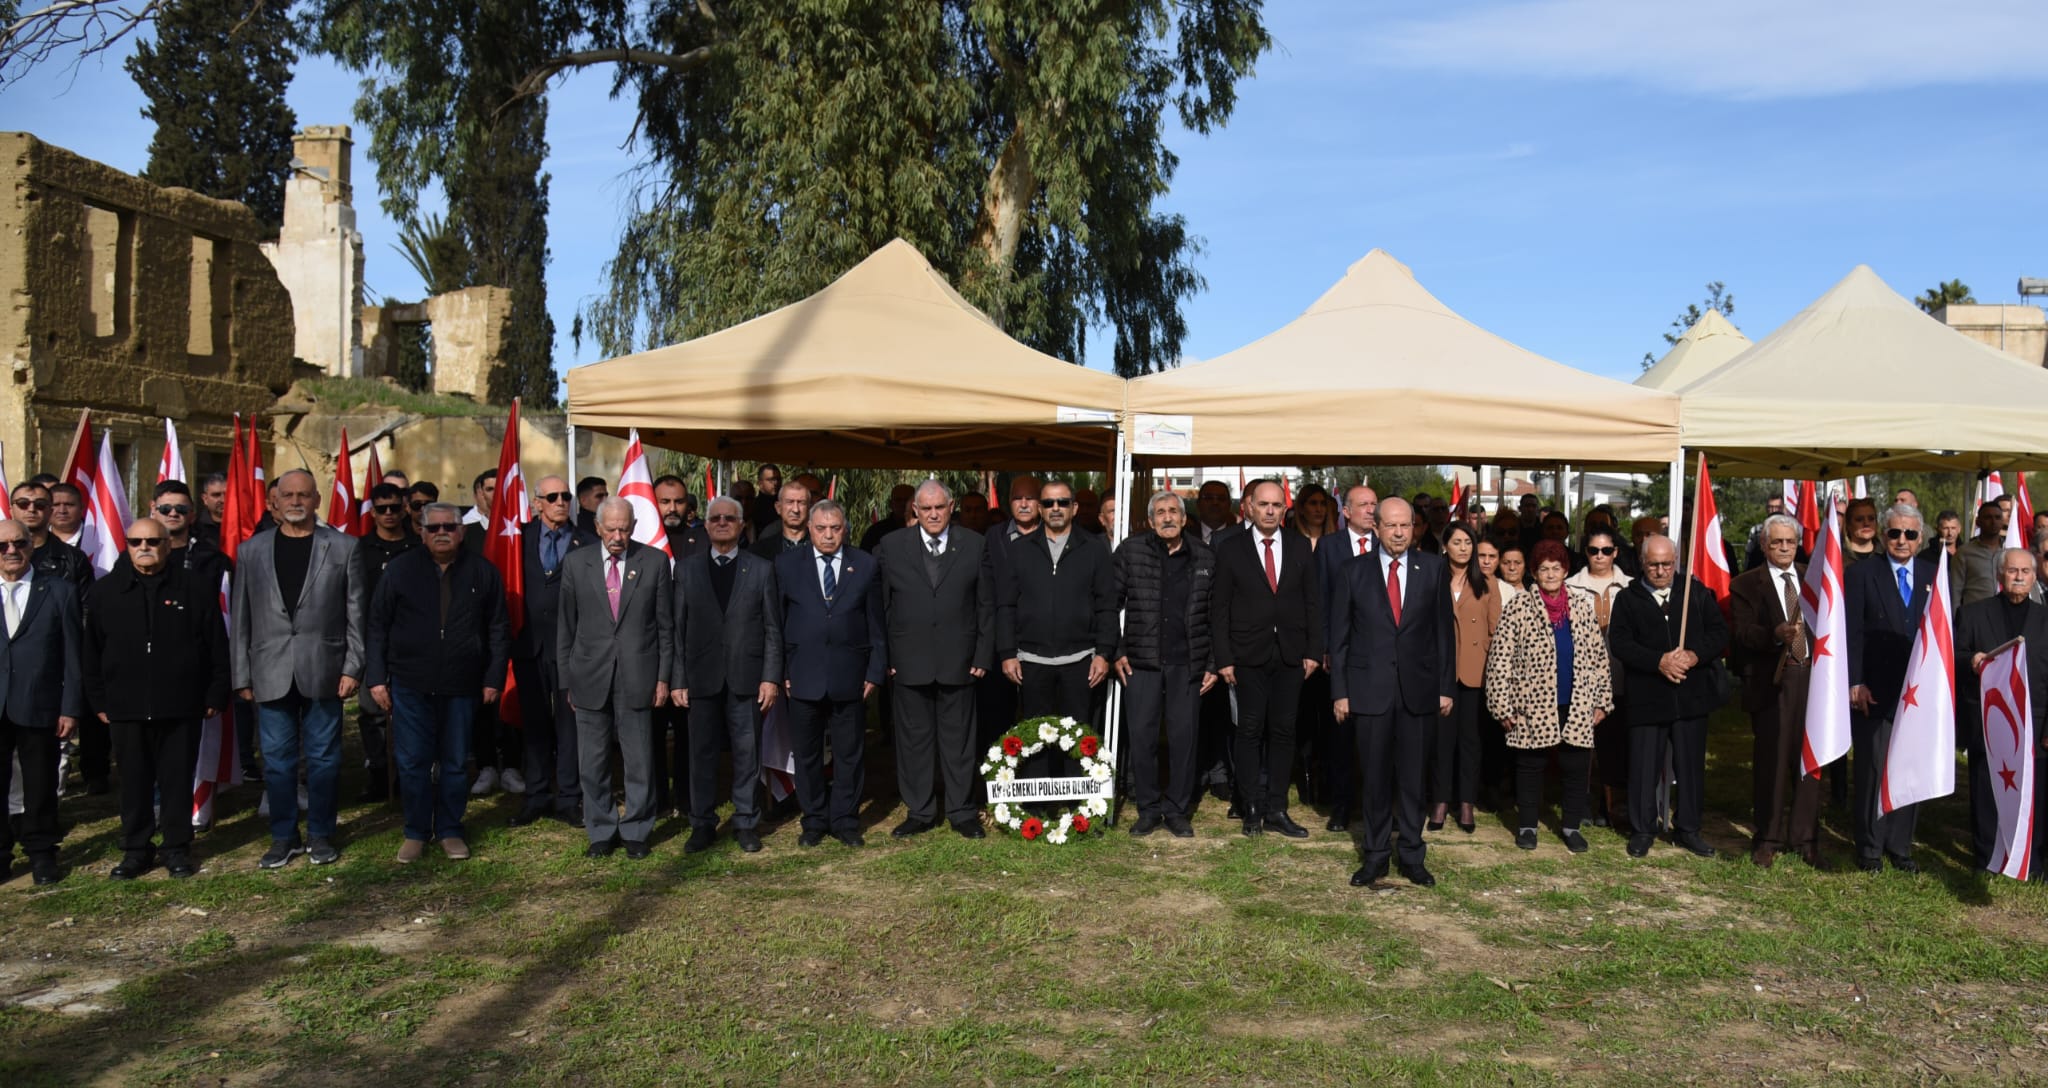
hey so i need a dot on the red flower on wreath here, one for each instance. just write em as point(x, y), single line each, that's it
point(1080, 823)
point(1013, 745)
point(1032, 828)
point(1088, 748)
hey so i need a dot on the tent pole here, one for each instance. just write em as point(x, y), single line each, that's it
point(1674, 503)
point(572, 455)
point(1112, 733)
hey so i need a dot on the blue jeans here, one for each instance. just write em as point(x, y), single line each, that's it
point(280, 723)
point(425, 730)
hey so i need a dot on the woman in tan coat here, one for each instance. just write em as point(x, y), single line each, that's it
point(1475, 604)
point(1547, 682)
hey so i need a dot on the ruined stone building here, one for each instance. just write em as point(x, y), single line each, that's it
point(319, 253)
point(137, 301)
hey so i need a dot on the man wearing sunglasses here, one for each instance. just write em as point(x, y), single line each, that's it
point(52, 558)
point(553, 786)
point(390, 536)
point(1056, 626)
point(172, 507)
point(297, 647)
point(1885, 599)
point(42, 697)
point(156, 667)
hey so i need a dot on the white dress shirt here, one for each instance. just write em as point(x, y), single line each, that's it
point(1279, 549)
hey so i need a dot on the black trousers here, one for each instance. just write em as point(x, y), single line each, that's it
point(1983, 796)
point(1531, 764)
point(95, 749)
point(1056, 691)
point(1216, 736)
point(493, 743)
point(1162, 703)
point(157, 762)
point(247, 747)
point(1688, 738)
point(935, 723)
point(38, 751)
point(1393, 749)
point(1780, 779)
point(723, 720)
point(374, 726)
point(553, 779)
point(1457, 749)
point(1268, 698)
point(1876, 834)
point(671, 727)
point(812, 724)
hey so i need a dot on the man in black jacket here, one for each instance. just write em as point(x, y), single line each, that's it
point(1056, 616)
point(435, 648)
point(1667, 692)
point(390, 536)
point(938, 594)
point(1162, 584)
point(201, 560)
point(1983, 626)
point(553, 780)
point(1268, 614)
point(156, 667)
point(792, 509)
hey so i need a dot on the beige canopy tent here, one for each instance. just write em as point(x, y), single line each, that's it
point(1710, 342)
point(1378, 370)
point(886, 367)
point(1863, 381)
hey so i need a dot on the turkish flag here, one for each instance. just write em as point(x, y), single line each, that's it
point(231, 519)
point(1808, 512)
point(505, 547)
point(344, 512)
point(1709, 554)
point(2009, 752)
point(1921, 763)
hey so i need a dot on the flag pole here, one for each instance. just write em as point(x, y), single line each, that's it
point(1692, 549)
point(77, 439)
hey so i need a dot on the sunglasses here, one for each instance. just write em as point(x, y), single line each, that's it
point(553, 496)
point(14, 546)
point(723, 517)
point(443, 527)
point(1056, 502)
point(1608, 550)
point(388, 507)
point(145, 542)
point(169, 510)
point(1902, 534)
point(417, 504)
point(31, 504)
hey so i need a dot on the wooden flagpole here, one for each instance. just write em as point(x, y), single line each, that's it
point(77, 437)
point(1692, 549)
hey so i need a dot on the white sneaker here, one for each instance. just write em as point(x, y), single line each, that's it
point(511, 781)
point(486, 781)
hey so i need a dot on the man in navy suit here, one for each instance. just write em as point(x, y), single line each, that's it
point(1338, 747)
point(834, 656)
point(42, 696)
point(553, 784)
point(1393, 664)
point(1885, 599)
point(1267, 612)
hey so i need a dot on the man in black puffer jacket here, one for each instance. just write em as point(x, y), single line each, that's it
point(1162, 584)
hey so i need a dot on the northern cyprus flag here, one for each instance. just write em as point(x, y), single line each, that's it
point(1827, 685)
point(1921, 764)
point(2009, 752)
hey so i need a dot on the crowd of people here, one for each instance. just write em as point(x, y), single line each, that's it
point(1395, 660)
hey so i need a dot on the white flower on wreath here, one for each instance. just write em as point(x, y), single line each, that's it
point(995, 752)
point(1006, 775)
point(1002, 813)
point(1069, 722)
point(1010, 761)
point(1066, 744)
point(1100, 772)
point(1066, 820)
point(1057, 838)
point(1096, 806)
point(1047, 733)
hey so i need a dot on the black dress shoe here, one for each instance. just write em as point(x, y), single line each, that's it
point(969, 829)
point(1339, 821)
point(701, 839)
point(1693, 843)
point(1179, 827)
point(1814, 858)
point(44, 869)
point(133, 864)
point(1574, 841)
point(1870, 865)
point(525, 817)
point(1418, 876)
point(377, 790)
point(601, 849)
point(1525, 839)
point(1146, 825)
point(850, 838)
point(6, 870)
point(571, 816)
point(1367, 876)
point(637, 849)
point(179, 866)
point(96, 785)
point(748, 838)
point(1639, 845)
point(1903, 864)
point(1284, 824)
point(810, 838)
point(908, 828)
point(1232, 813)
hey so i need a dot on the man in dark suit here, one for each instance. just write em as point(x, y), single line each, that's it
point(676, 507)
point(1267, 612)
point(938, 592)
point(613, 653)
point(728, 671)
point(42, 696)
point(1983, 626)
point(835, 654)
point(1056, 613)
point(553, 784)
point(1338, 747)
point(1885, 598)
point(1394, 667)
point(792, 508)
point(1668, 693)
point(1774, 648)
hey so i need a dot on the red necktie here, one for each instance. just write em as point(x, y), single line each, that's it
point(1272, 572)
point(1394, 590)
point(611, 584)
point(1362, 542)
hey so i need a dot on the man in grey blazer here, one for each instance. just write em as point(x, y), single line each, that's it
point(42, 696)
point(613, 647)
point(728, 670)
point(296, 649)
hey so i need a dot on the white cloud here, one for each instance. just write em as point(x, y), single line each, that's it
point(1744, 49)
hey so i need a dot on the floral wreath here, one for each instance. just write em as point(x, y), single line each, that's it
point(1027, 739)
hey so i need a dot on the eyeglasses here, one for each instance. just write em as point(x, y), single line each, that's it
point(443, 527)
point(145, 542)
point(14, 546)
point(417, 504)
point(1056, 502)
point(172, 510)
point(553, 496)
point(723, 517)
point(1902, 534)
point(1608, 550)
point(31, 504)
point(388, 507)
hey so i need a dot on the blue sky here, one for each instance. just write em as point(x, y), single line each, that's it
point(1565, 173)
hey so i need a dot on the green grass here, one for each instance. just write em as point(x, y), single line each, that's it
point(1116, 961)
point(345, 393)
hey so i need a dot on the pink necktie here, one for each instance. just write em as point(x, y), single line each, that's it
point(611, 584)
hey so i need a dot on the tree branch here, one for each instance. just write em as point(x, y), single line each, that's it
point(36, 36)
point(535, 82)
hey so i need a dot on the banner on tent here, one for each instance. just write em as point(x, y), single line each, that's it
point(1165, 436)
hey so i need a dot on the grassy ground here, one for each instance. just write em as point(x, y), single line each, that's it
point(1219, 960)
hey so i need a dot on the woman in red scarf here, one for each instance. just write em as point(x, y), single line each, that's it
point(1547, 683)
